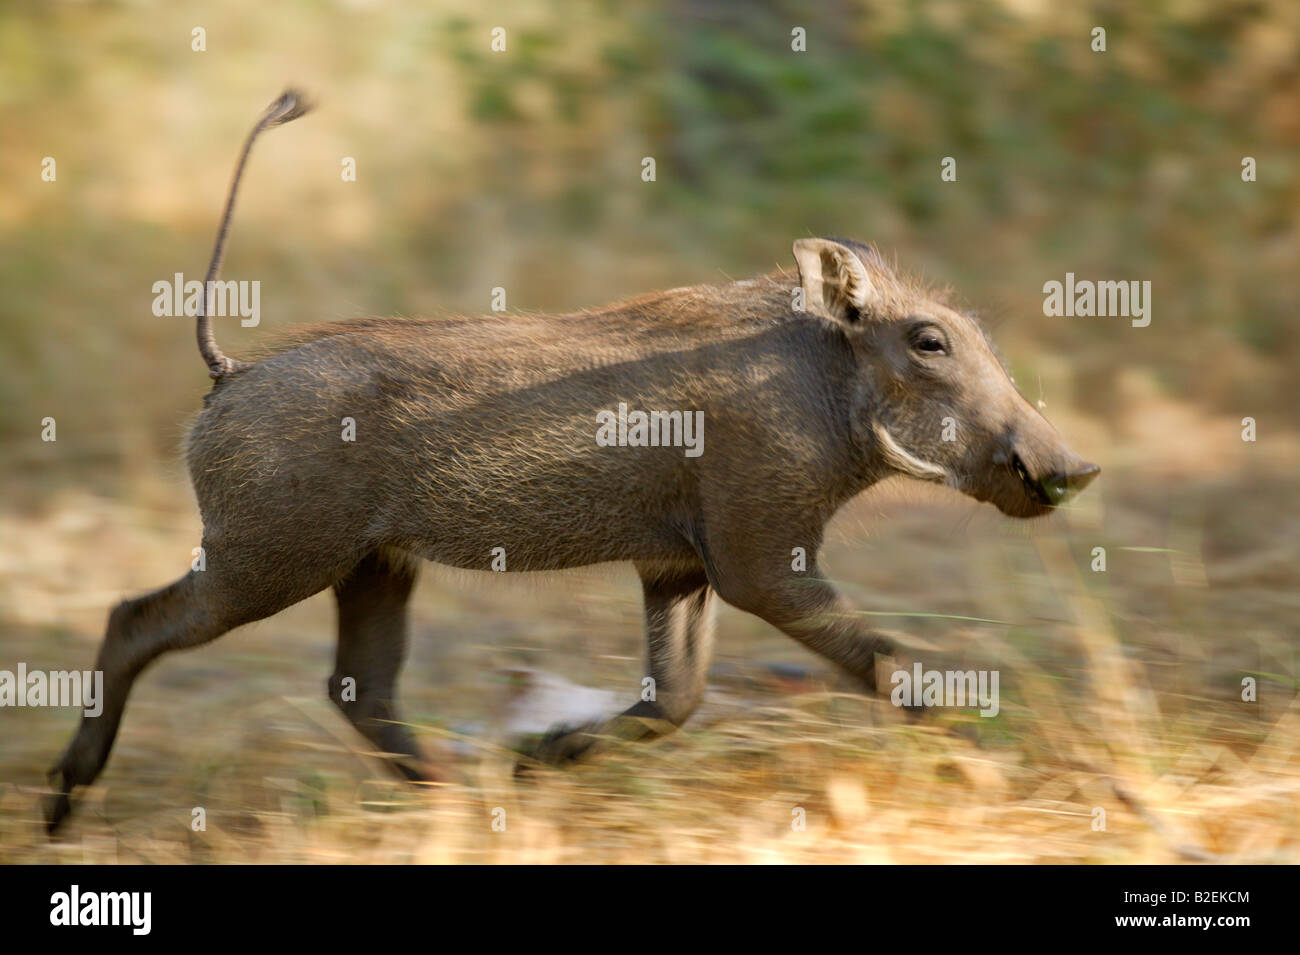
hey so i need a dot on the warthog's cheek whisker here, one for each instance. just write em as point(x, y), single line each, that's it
point(899, 459)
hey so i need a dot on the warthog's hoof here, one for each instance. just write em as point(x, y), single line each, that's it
point(55, 808)
point(561, 746)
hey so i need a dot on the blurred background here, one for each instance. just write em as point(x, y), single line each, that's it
point(522, 169)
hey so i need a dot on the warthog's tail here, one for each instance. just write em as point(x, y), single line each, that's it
point(288, 107)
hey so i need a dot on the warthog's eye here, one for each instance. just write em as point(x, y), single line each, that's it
point(928, 342)
point(926, 338)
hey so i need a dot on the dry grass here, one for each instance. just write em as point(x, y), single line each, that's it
point(1120, 691)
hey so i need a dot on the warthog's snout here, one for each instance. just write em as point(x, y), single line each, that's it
point(1027, 470)
point(1037, 475)
point(1061, 487)
point(1057, 488)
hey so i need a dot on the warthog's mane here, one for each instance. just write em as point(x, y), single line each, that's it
point(701, 313)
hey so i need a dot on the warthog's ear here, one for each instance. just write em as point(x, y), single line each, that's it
point(836, 284)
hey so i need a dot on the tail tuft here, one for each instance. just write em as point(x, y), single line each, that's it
point(286, 109)
point(291, 104)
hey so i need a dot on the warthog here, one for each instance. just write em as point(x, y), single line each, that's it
point(476, 440)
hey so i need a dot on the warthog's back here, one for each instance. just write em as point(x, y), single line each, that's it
point(469, 434)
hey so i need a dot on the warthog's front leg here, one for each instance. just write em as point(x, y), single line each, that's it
point(679, 638)
point(807, 607)
point(824, 622)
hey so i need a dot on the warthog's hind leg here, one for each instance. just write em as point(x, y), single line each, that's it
point(244, 580)
point(372, 607)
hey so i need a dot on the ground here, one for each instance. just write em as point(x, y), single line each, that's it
point(1122, 734)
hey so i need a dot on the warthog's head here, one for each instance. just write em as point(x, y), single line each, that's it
point(932, 400)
